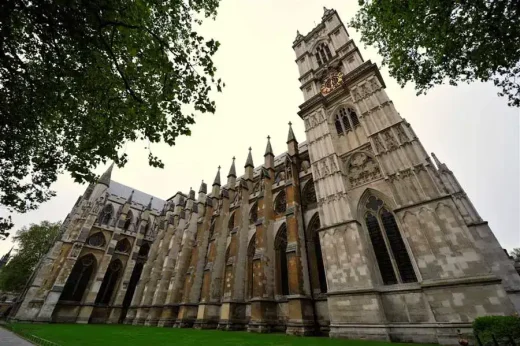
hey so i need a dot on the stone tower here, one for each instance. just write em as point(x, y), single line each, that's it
point(402, 242)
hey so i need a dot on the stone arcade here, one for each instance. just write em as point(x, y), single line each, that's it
point(354, 233)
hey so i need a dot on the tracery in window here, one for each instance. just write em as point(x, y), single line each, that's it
point(345, 120)
point(109, 282)
point(391, 254)
point(280, 203)
point(308, 195)
point(123, 246)
point(282, 273)
point(323, 54)
point(79, 278)
point(96, 240)
point(106, 214)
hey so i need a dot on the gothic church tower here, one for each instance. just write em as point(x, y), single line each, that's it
point(402, 242)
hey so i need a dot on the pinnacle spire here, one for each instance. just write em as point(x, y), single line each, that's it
point(149, 207)
point(217, 178)
point(291, 136)
point(129, 200)
point(232, 170)
point(203, 188)
point(437, 162)
point(268, 148)
point(249, 161)
point(107, 176)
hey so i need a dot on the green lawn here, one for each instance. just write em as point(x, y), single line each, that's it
point(86, 335)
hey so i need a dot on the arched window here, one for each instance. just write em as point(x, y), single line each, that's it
point(106, 214)
point(143, 250)
point(109, 282)
point(309, 196)
point(318, 278)
point(323, 54)
point(79, 278)
point(123, 246)
point(282, 274)
point(353, 117)
point(391, 254)
point(280, 176)
point(253, 213)
point(250, 270)
point(346, 119)
point(231, 222)
point(134, 279)
point(128, 221)
point(280, 203)
point(97, 240)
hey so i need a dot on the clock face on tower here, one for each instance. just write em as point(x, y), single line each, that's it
point(333, 80)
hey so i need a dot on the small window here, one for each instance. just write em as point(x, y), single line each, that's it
point(308, 89)
point(353, 117)
point(345, 120)
point(336, 33)
point(323, 54)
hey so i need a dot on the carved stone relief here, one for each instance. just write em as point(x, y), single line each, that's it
point(362, 169)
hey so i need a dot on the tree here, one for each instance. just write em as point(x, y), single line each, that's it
point(33, 244)
point(516, 253)
point(79, 78)
point(431, 42)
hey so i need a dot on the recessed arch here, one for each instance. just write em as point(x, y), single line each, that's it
point(106, 214)
point(79, 278)
point(280, 202)
point(315, 255)
point(390, 251)
point(123, 246)
point(251, 249)
point(281, 269)
point(110, 280)
point(308, 195)
point(128, 221)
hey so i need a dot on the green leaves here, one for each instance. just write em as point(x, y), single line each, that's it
point(78, 79)
point(438, 41)
point(33, 243)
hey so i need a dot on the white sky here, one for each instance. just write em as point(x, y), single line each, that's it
point(469, 127)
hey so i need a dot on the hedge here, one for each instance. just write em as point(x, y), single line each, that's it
point(497, 330)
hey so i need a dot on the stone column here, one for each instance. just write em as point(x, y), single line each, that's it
point(193, 281)
point(167, 269)
point(171, 308)
point(263, 305)
point(301, 307)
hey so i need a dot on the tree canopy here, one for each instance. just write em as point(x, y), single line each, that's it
point(432, 42)
point(80, 78)
point(33, 243)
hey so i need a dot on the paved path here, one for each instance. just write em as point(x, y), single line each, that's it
point(8, 338)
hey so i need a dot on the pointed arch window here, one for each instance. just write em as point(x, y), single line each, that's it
point(79, 278)
point(323, 54)
point(346, 119)
point(391, 254)
point(318, 278)
point(280, 203)
point(282, 273)
point(134, 279)
point(253, 213)
point(250, 269)
point(212, 228)
point(109, 282)
point(128, 220)
point(231, 222)
point(309, 196)
point(106, 214)
point(143, 250)
point(123, 246)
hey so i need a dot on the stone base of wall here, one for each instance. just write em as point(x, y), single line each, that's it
point(443, 334)
point(153, 316)
point(168, 316)
point(187, 315)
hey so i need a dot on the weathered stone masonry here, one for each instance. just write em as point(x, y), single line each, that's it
point(355, 233)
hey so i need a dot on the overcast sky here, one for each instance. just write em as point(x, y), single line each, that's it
point(469, 127)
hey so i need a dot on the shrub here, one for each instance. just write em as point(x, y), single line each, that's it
point(502, 328)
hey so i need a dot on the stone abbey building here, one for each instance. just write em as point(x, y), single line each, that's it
point(353, 233)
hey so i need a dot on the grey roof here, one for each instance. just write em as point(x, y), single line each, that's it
point(123, 191)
